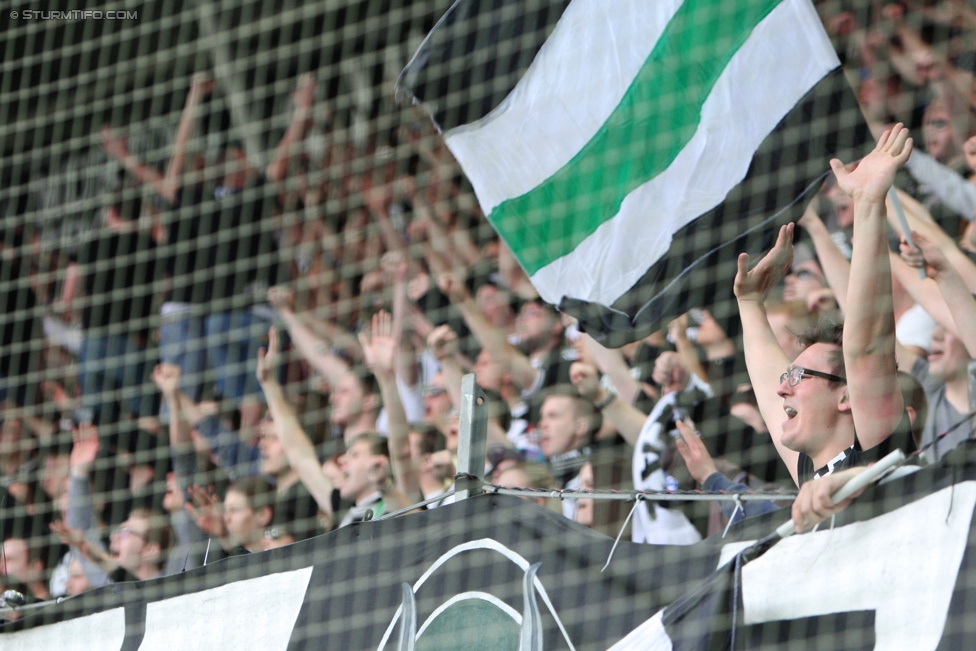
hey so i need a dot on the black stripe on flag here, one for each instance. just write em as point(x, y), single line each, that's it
point(701, 262)
point(475, 56)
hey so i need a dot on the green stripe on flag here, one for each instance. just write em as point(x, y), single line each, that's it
point(655, 119)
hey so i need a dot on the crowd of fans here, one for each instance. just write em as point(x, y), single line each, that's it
point(269, 354)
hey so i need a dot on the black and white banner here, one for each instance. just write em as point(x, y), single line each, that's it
point(495, 572)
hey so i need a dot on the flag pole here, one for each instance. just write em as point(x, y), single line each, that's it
point(472, 439)
point(872, 474)
point(903, 222)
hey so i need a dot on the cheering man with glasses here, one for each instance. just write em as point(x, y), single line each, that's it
point(840, 396)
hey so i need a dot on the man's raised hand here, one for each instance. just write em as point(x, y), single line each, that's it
point(84, 451)
point(201, 85)
point(281, 299)
point(379, 349)
point(206, 512)
point(926, 255)
point(443, 342)
point(269, 358)
point(114, 145)
point(167, 378)
point(754, 284)
point(586, 380)
point(874, 174)
point(694, 452)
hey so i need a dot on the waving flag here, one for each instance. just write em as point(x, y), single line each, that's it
point(626, 151)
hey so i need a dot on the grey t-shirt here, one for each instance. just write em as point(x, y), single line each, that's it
point(942, 415)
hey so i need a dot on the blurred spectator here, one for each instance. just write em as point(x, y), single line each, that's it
point(25, 562)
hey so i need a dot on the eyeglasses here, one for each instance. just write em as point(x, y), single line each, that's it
point(797, 373)
point(935, 124)
point(803, 274)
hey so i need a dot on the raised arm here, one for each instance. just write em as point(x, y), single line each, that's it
point(304, 97)
point(869, 328)
point(961, 304)
point(294, 441)
point(919, 219)
point(626, 418)
point(396, 267)
point(313, 348)
point(765, 360)
point(167, 378)
point(678, 329)
point(443, 343)
point(117, 147)
point(167, 186)
point(611, 363)
point(837, 268)
point(952, 188)
point(380, 352)
point(513, 276)
point(492, 339)
point(84, 451)
point(200, 86)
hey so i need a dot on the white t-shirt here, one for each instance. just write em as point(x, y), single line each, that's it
point(654, 523)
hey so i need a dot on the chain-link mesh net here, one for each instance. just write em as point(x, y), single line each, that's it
point(178, 178)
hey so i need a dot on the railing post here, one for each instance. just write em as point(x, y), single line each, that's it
point(473, 439)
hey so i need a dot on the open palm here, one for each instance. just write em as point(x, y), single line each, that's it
point(379, 349)
point(875, 173)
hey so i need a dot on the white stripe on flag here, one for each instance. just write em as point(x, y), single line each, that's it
point(786, 55)
point(525, 139)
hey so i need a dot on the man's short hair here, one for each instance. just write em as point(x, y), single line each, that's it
point(431, 439)
point(582, 407)
point(258, 491)
point(537, 474)
point(368, 383)
point(159, 531)
point(378, 445)
point(38, 549)
point(832, 333)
